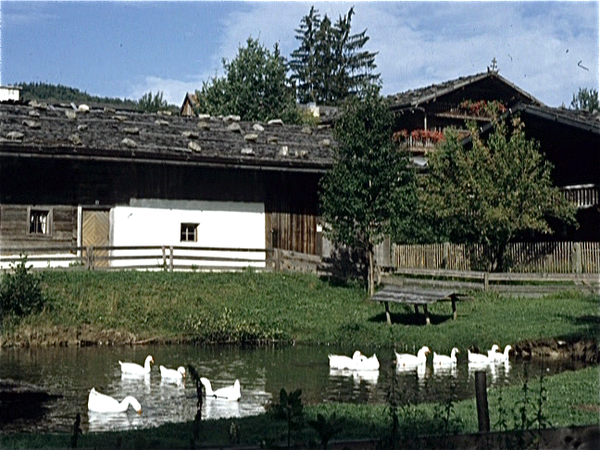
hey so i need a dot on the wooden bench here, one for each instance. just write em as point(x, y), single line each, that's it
point(413, 296)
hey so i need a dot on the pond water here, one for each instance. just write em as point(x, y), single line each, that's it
point(70, 373)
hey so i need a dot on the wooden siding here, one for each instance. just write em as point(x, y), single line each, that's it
point(14, 227)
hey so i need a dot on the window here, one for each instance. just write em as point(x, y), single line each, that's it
point(39, 221)
point(189, 232)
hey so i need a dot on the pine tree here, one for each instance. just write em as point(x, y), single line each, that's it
point(330, 63)
point(303, 59)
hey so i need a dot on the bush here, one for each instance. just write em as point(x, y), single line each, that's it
point(20, 291)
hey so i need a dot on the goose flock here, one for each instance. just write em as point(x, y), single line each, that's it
point(102, 403)
point(359, 363)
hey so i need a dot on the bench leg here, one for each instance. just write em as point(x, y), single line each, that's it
point(427, 320)
point(454, 315)
point(388, 317)
point(416, 309)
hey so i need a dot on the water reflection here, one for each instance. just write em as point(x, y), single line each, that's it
point(114, 421)
point(367, 376)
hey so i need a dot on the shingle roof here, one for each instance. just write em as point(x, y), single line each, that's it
point(578, 118)
point(62, 131)
point(418, 96)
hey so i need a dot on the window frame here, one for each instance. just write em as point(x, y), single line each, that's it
point(188, 226)
point(49, 221)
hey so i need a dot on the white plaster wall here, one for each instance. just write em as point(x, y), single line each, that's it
point(8, 93)
point(221, 224)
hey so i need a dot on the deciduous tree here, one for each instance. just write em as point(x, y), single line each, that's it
point(488, 192)
point(586, 100)
point(370, 191)
point(255, 87)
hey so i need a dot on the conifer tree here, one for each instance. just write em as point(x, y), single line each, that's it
point(330, 63)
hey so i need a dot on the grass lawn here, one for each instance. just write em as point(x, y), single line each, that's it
point(247, 307)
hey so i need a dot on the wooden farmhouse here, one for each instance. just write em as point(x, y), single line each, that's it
point(98, 177)
point(569, 139)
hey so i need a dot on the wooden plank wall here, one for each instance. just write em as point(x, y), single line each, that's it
point(14, 227)
point(525, 257)
point(292, 231)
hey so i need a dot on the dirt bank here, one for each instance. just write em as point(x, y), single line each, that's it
point(82, 336)
point(585, 350)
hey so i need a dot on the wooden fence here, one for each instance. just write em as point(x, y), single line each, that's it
point(168, 258)
point(524, 257)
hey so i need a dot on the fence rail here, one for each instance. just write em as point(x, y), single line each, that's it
point(523, 257)
point(139, 257)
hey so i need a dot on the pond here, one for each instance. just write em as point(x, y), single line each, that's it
point(70, 373)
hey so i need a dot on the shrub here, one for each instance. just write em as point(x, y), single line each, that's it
point(20, 291)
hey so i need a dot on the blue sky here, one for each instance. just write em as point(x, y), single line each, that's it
point(125, 49)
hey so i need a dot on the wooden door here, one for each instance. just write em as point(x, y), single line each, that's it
point(96, 233)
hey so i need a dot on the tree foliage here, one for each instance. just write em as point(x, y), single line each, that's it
point(370, 190)
point(255, 87)
point(586, 100)
point(330, 63)
point(152, 103)
point(58, 93)
point(491, 191)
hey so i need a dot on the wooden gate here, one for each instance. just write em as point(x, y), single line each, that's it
point(96, 233)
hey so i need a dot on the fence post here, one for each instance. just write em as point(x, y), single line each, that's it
point(446, 255)
point(90, 257)
point(576, 258)
point(171, 258)
point(486, 281)
point(483, 413)
point(164, 257)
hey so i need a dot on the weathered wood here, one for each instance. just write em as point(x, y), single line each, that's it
point(526, 257)
point(483, 414)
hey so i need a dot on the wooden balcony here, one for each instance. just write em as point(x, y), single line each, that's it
point(583, 195)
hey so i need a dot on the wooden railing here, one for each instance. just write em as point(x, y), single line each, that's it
point(139, 257)
point(584, 196)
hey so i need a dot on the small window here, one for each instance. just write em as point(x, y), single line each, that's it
point(39, 221)
point(189, 232)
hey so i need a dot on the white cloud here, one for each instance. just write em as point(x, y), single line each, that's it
point(173, 90)
point(537, 45)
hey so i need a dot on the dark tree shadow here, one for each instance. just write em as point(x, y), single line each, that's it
point(410, 318)
point(344, 265)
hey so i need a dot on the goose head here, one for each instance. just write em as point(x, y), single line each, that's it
point(495, 348)
point(454, 352)
point(423, 351)
point(129, 400)
point(507, 349)
point(181, 370)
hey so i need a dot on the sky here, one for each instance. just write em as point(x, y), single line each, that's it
point(128, 48)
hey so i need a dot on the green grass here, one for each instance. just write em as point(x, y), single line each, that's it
point(259, 307)
point(572, 399)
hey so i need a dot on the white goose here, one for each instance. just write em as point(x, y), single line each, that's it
point(357, 362)
point(477, 358)
point(407, 360)
point(495, 356)
point(233, 393)
point(98, 402)
point(136, 369)
point(172, 374)
point(444, 360)
point(341, 362)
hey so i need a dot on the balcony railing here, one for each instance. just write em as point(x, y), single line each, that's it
point(583, 195)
